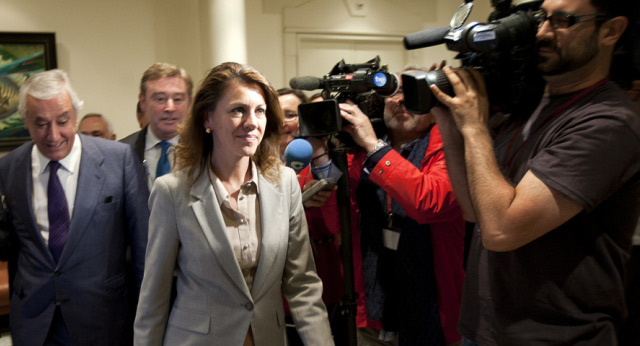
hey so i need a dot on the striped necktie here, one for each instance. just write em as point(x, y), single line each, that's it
point(58, 211)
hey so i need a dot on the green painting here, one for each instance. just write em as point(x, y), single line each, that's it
point(21, 54)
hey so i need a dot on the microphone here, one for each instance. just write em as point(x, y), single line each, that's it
point(425, 38)
point(298, 154)
point(306, 83)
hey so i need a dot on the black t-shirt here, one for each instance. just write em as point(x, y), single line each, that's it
point(565, 287)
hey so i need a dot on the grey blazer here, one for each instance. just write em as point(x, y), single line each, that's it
point(214, 305)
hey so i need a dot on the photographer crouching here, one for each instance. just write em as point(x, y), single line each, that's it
point(555, 196)
point(412, 231)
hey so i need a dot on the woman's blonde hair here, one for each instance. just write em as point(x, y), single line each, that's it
point(195, 146)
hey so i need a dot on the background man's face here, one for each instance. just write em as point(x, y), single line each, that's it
point(96, 127)
point(165, 104)
point(398, 118)
point(289, 104)
point(52, 125)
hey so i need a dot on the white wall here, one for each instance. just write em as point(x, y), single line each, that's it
point(105, 46)
point(265, 41)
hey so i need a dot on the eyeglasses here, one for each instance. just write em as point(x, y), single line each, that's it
point(563, 20)
point(290, 116)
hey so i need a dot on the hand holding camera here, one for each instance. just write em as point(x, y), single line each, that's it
point(359, 126)
point(470, 103)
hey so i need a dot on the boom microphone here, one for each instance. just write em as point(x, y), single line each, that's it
point(425, 38)
point(306, 83)
point(298, 154)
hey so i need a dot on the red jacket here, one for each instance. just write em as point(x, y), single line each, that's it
point(427, 197)
point(324, 233)
point(324, 223)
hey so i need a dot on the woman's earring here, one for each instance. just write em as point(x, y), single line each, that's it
point(207, 130)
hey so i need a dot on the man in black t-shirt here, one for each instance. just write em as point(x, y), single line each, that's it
point(556, 199)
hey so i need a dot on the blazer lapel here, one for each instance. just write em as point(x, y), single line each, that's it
point(91, 177)
point(273, 238)
point(24, 182)
point(140, 143)
point(207, 211)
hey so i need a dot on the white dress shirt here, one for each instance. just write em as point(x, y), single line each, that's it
point(68, 175)
point(152, 153)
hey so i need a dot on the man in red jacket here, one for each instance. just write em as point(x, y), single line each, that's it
point(412, 231)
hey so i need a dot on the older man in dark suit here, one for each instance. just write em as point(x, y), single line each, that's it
point(74, 207)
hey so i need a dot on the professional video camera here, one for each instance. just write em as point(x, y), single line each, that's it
point(355, 82)
point(503, 50)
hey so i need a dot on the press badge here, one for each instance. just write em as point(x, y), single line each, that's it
point(390, 238)
point(390, 235)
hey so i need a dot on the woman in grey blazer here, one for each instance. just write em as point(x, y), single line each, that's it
point(229, 223)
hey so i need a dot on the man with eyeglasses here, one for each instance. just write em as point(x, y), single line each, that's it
point(320, 211)
point(165, 98)
point(289, 99)
point(555, 196)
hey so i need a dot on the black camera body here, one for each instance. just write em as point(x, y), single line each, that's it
point(318, 119)
point(503, 50)
point(355, 82)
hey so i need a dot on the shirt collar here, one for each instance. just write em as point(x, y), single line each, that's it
point(221, 193)
point(69, 162)
point(152, 140)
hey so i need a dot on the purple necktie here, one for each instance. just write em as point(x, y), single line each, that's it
point(58, 212)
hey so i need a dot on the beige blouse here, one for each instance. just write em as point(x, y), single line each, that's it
point(243, 225)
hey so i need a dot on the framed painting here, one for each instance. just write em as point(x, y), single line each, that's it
point(21, 55)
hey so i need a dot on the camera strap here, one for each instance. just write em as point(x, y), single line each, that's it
point(552, 116)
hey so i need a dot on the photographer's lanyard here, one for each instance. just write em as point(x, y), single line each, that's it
point(390, 234)
point(552, 116)
point(389, 212)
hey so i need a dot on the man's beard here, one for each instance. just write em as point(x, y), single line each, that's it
point(391, 116)
point(570, 58)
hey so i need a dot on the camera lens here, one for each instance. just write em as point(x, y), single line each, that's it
point(385, 84)
point(418, 98)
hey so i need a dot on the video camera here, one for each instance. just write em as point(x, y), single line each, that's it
point(353, 82)
point(503, 50)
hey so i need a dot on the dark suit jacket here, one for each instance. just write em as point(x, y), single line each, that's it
point(137, 141)
point(92, 282)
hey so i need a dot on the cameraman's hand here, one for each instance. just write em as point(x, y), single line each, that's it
point(360, 128)
point(320, 197)
point(434, 66)
point(470, 106)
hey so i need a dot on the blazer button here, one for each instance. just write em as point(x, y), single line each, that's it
point(249, 306)
point(388, 163)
